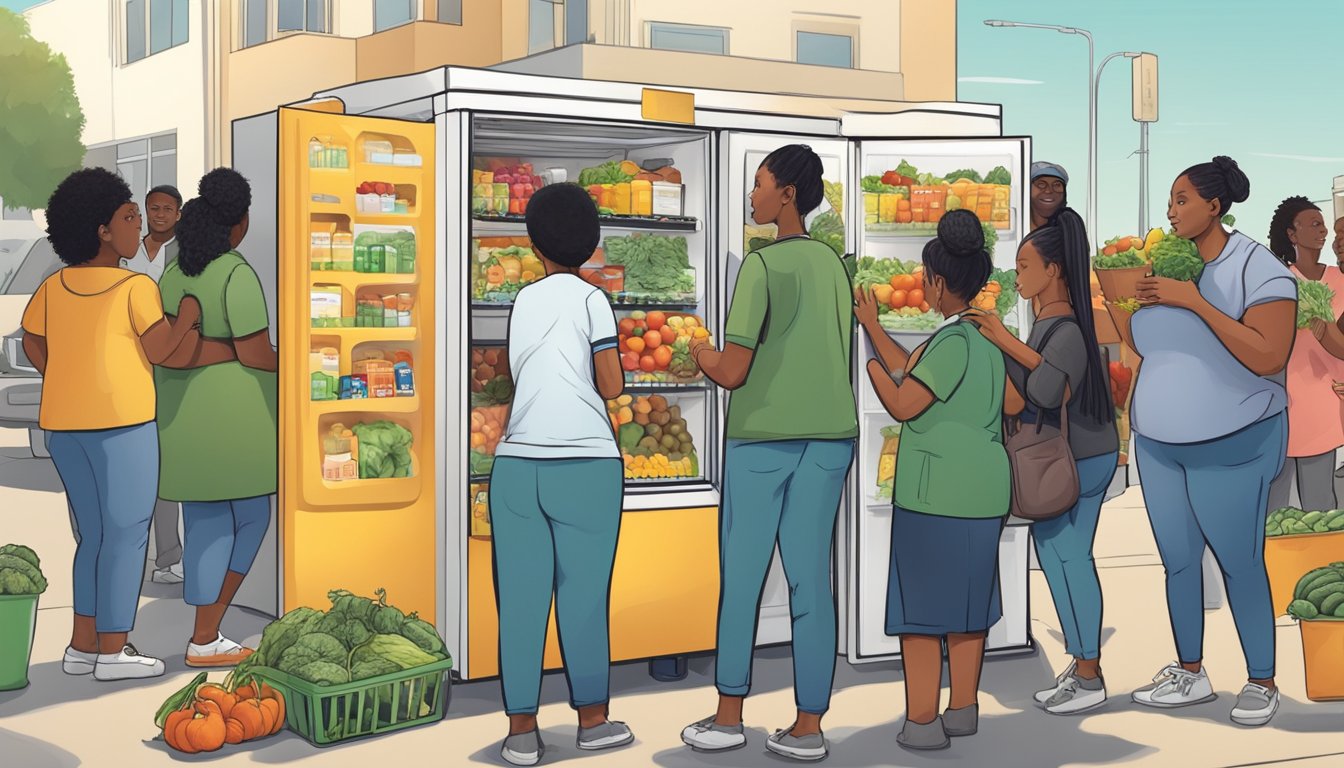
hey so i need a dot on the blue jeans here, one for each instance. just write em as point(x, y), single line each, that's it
point(555, 525)
point(1216, 492)
point(111, 479)
point(787, 492)
point(1064, 549)
point(221, 536)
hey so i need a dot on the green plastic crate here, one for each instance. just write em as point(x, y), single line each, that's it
point(328, 714)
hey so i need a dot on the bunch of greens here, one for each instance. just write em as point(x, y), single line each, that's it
point(497, 391)
point(1128, 304)
point(907, 170)
point(829, 228)
point(969, 174)
point(874, 184)
point(897, 321)
point(356, 639)
point(999, 175)
point(606, 173)
point(1230, 220)
point(1007, 280)
point(1176, 258)
point(758, 242)
point(654, 264)
point(20, 571)
point(991, 237)
point(929, 180)
point(1314, 302)
point(873, 271)
point(1118, 261)
point(384, 450)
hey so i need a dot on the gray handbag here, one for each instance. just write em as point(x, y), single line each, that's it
point(1045, 475)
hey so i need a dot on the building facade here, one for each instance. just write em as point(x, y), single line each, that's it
point(161, 81)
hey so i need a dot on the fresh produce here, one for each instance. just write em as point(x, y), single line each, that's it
point(1293, 522)
point(905, 320)
point(999, 175)
point(1230, 220)
point(491, 383)
point(654, 439)
point(203, 716)
point(1121, 253)
point(656, 346)
point(991, 240)
point(1121, 378)
point(829, 228)
point(487, 429)
point(969, 174)
point(384, 450)
point(1176, 258)
point(297, 644)
point(874, 184)
point(1315, 301)
point(886, 462)
point(608, 173)
point(499, 272)
point(1127, 304)
point(656, 266)
point(1319, 594)
point(1007, 296)
point(905, 200)
point(20, 571)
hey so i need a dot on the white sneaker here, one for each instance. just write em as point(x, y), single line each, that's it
point(1044, 694)
point(129, 664)
point(1256, 705)
point(1072, 698)
point(171, 575)
point(1174, 687)
point(78, 662)
point(708, 736)
point(223, 652)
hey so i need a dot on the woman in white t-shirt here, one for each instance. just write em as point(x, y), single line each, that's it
point(557, 483)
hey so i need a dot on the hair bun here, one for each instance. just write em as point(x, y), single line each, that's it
point(1238, 185)
point(226, 195)
point(961, 234)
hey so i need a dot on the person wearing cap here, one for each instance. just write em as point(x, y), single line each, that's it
point(1049, 192)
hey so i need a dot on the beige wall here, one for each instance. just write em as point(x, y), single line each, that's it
point(424, 45)
point(929, 49)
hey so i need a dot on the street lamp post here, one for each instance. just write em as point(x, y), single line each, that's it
point(1096, 92)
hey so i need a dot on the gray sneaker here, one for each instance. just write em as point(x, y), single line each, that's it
point(522, 748)
point(925, 736)
point(810, 747)
point(709, 736)
point(1256, 705)
point(1043, 695)
point(962, 722)
point(605, 736)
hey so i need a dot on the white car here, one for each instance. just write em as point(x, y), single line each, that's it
point(24, 264)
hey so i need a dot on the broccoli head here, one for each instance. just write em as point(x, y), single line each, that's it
point(13, 582)
point(23, 553)
point(23, 566)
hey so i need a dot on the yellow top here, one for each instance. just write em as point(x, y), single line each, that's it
point(97, 375)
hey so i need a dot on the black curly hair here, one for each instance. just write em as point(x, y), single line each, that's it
point(203, 232)
point(1222, 180)
point(84, 201)
point(958, 254)
point(562, 223)
point(797, 166)
point(1283, 219)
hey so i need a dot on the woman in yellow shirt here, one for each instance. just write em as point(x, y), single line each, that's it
point(94, 331)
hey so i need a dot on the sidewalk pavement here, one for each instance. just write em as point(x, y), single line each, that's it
point(61, 721)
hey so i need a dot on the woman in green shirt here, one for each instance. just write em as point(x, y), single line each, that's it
point(217, 411)
point(952, 485)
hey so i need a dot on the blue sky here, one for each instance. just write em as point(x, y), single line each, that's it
point(18, 5)
point(1258, 81)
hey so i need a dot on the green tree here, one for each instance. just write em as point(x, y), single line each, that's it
point(40, 118)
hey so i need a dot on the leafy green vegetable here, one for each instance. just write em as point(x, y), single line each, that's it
point(480, 464)
point(350, 631)
point(929, 180)
point(606, 173)
point(872, 271)
point(23, 553)
point(991, 238)
point(371, 666)
point(757, 243)
point(874, 184)
point(907, 170)
point(423, 634)
point(1176, 258)
point(1124, 260)
point(829, 228)
point(384, 450)
point(965, 173)
point(834, 193)
point(999, 175)
point(1007, 280)
point(25, 578)
point(1314, 302)
point(654, 264)
point(1128, 304)
point(497, 391)
point(394, 648)
point(318, 658)
point(1230, 220)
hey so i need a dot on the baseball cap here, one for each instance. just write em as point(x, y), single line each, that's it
point(1041, 168)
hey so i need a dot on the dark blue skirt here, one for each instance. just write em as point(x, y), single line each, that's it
point(944, 574)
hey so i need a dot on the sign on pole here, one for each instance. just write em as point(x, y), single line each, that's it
point(1145, 88)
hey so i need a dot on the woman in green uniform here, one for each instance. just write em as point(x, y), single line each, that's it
point(217, 411)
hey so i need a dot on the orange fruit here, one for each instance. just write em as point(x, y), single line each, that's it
point(635, 344)
point(882, 293)
point(652, 340)
point(898, 299)
point(648, 364)
point(924, 307)
point(908, 282)
point(913, 299)
point(662, 357)
point(656, 320)
point(627, 326)
point(668, 333)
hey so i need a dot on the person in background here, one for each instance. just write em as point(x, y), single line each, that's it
point(1338, 244)
point(1210, 432)
point(93, 330)
point(1297, 235)
point(792, 422)
point(158, 248)
point(1049, 192)
point(217, 411)
point(951, 395)
point(557, 483)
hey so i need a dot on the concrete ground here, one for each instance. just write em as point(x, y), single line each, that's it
point(59, 721)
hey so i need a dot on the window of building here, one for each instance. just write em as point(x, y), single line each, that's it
point(392, 13)
point(302, 16)
point(15, 214)
point(154, 26)
point(687, 37)
point(540, 25)
point(576, 22)
point(144, 163)
point(265, 20)
point(256, 22)
point(824, 49)
point(449, 11)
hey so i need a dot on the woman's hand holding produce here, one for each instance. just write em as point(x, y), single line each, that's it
point(1168, 292)
point(865, 306)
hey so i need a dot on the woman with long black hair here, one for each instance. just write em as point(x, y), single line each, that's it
point(1060, 365)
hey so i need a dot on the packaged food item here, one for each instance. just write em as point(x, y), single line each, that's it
point(667, 199)
point(480, 509)
point(354, 387)
point(401, 206)
point(323, 387)
point(340, 460)
point(380, 375)
point(390, 318)
point(378, 152)
point(613, 278)
point(343, 252)
point(937, 202)
point(325, 309)
point(406, 158)
point(592, 275)
point(641, 193)
point(377, 261)
point(871, 204)
point(554, 176)
point(329, 199)
point(620, 201)
point(403, 370)
point(405, 303)
point(316, 158)
point(319, 250)
point(887, 206)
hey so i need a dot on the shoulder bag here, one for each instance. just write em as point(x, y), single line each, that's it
point(1044, 473)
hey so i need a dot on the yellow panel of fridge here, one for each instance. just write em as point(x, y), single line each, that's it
point(356, 257)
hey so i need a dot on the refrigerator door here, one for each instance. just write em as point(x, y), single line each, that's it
point(895, 220)
point(740, 155)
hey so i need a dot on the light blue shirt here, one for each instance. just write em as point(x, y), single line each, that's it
point(1191, 388)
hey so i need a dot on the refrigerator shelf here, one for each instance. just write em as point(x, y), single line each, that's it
point(353, 281)
point(366, 405)
point(663, 386)
point(361, 335)
point(513, 223)
point(402, 219)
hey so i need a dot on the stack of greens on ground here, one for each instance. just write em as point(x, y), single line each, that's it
point(1319, 594)
point(20, 571)
point(1291, 521)
point(657, 267)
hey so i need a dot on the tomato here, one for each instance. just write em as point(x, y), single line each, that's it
point(648, 364)
point(656, 320)
point(630, 361)
point(914, 298)
point(668, 333)
point(652, 340)
point(627, 327)
point(897, 299)
point(662, 357)
point(924, 307)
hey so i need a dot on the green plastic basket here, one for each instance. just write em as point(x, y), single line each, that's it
point(328, 714)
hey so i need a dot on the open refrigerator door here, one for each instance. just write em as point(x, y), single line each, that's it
point(904, 189)
point(740, 156)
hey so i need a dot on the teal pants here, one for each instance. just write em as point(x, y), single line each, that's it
point(555, 525)
point(788, 492)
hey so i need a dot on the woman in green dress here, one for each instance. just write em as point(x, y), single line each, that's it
point(217, 411)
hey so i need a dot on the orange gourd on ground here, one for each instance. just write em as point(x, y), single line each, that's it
point(198, 729)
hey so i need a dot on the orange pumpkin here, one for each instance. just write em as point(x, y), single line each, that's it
point(215, 693)
point(199, 729)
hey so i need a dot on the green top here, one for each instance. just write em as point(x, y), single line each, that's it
point(951, 461)
point(217, 425)
point(793, 306)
